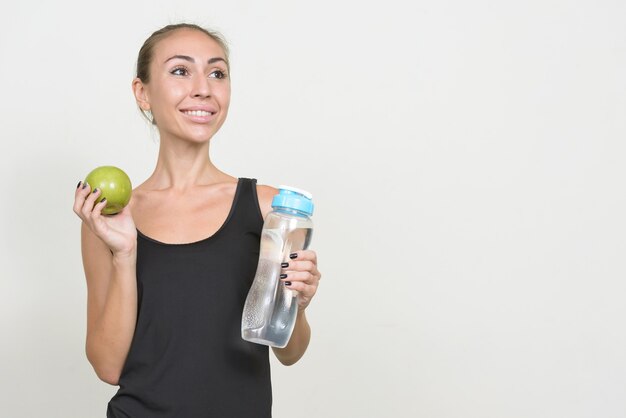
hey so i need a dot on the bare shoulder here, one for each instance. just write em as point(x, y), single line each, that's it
point(266, 194)
point(137, 199)
point(139, 193)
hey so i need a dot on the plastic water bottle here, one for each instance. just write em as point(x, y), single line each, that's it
point(270, 310)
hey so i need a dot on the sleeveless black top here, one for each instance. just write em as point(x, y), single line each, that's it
point(187, 358)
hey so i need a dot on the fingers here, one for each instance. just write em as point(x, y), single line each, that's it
point(305, 260)
point(301, 266)
point(90, 202)
point(305, 290)
point(117, 232)
point(79, 197)
point(87, 204)
point(309, 255)
point(301, 274)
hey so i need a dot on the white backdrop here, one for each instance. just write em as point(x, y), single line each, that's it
point(466, 159)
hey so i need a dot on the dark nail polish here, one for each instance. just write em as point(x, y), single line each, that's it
point(284, 265)
point(287, 283)
point(95, 190)
point(293, 255)
point(103, 199)
point(78, 185)
point(84, 185)
point(283, 276)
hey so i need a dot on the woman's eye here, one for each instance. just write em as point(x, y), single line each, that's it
point(180, 71)
point(218, 74)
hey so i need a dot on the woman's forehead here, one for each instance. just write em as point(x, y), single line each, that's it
point(185, 42)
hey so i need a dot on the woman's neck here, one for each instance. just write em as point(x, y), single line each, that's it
point(182, 166)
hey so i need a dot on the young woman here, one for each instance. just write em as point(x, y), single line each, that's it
point(168, 276)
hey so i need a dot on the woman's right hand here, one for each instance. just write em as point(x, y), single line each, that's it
point(117, 231)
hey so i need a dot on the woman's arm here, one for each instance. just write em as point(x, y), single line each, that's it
point(110, 270)
point(111, 306)
point(298, 343)
point(302, 276)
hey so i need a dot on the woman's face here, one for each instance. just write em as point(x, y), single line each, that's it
point(189, 88)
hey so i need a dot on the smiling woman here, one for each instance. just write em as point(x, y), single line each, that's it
point(193, 85)
point(168, 276)
point(146, 53)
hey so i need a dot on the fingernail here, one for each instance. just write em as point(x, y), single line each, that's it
point(78, 185)
point(103, 199)
point(293, 255)
point(95, 190)
point(283, 276)
point(84, 185)
point(284, 265)
point(287, 283)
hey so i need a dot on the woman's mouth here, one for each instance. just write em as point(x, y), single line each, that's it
point(200, 116)
point(197, 113)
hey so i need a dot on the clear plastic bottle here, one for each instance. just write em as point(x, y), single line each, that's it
point(270, 310)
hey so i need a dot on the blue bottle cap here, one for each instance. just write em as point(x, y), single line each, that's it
point(293, 198)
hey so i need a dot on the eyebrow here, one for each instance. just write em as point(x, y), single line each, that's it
point(190, 59)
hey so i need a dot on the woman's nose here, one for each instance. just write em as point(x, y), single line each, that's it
point(201, 87)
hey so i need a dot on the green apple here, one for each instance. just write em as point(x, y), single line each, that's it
point(113, 184)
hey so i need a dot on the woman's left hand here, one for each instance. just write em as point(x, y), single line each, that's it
point(301, 274)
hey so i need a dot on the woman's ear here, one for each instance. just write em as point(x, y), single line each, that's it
point(141, 95)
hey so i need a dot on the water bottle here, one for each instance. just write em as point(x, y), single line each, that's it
point(270, 310)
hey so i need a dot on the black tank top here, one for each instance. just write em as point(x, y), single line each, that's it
point(187, 358)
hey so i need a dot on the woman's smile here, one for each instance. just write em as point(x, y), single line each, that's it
point(199, 114)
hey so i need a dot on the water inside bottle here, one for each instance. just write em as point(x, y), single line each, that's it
point(263, 290)
point(269, 314)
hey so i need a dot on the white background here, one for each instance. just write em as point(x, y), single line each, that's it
point(466, 159)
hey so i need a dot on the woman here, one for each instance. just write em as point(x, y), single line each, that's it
point(167, 277)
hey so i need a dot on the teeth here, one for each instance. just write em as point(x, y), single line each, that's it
point(197, 113)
